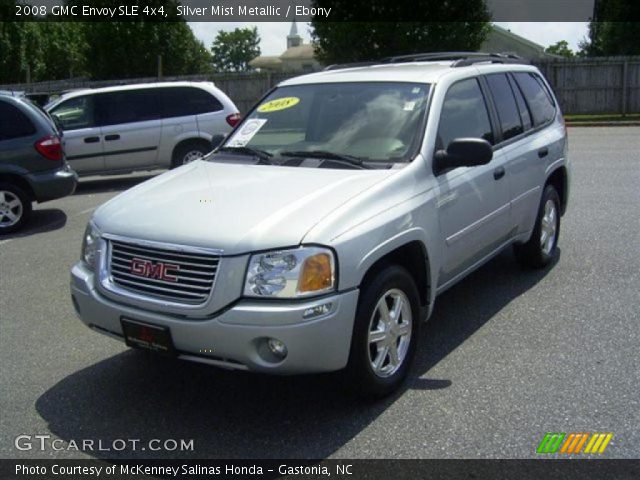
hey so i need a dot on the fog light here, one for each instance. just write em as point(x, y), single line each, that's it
point(316, 311)
point(278, 348)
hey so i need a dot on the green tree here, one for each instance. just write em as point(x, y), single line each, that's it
point(609, 33)
point(20, 52)
point(348, 41)
point(232, 51)
point(131, 49)
point(560, 48)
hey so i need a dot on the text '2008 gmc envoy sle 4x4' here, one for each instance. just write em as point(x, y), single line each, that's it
point(318, 235)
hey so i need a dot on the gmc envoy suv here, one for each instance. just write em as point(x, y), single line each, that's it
point(318, 235)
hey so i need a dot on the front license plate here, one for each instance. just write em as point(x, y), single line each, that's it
point(149, 337)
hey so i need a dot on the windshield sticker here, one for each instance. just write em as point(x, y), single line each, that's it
point(246, 133)
point(278, 104)
point(409, 106)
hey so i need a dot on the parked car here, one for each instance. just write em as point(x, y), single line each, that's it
point(141, 127)
point(32, 162)
point(318, 236)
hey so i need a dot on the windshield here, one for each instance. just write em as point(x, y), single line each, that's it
point(363, 122)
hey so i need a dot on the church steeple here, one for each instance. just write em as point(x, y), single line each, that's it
point(294, 39)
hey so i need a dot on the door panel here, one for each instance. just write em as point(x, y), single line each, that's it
point(130, 128)
point(473, 202)
point(474, 213)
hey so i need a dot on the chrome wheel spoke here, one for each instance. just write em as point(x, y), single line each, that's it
point(377, 336)
point(389, 333)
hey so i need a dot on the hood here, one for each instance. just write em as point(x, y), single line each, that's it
point(235, 208)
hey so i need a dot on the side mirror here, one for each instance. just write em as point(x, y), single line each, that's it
point(463, 152)
point(216, 140)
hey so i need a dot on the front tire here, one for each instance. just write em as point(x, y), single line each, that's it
point(385, 333)
point(15, 208)
point(542, 246)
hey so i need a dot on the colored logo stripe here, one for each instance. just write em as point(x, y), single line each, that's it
point(574, 442)
point(550, 443)
point(598, 443)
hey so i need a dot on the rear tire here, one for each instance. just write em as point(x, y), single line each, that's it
point(541, 248)
point(15, 208)
point(188, 152)
point(384, 334)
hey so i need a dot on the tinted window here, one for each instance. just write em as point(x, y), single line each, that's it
point(14, 123)
point(525, 115)
point(127, 107)
point(182, 101)
point(75, 113)
point(508, 114)
point(537, 97)
point(464, 114)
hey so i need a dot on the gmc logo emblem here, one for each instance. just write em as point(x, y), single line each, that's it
point(157, 270)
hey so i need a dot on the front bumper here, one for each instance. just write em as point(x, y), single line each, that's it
point(235, 337)
point(53, 184)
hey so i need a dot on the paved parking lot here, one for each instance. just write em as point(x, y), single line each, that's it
point(507, 356)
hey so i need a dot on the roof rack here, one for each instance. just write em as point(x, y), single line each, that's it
point(460, 59)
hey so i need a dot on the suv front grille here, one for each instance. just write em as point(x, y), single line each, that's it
point(178, 275)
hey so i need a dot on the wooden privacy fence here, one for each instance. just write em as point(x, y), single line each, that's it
point(582, 85)
point(595, 85)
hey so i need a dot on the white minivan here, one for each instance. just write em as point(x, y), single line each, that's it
point(144, 126)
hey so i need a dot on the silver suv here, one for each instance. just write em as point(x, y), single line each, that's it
point(143, 126)
point(318, 236)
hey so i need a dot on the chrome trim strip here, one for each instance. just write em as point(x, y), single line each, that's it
point(525, 194)
point(162, 245)
point(477, 224)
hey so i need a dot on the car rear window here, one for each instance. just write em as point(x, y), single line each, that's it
point(537, 96)
point(14, 123)
point(510, 121)
point(183, 101)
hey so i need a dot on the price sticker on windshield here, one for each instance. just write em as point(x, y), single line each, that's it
point(247, 132)
point(278, 104)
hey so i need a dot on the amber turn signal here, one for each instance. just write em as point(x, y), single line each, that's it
point(317, 273)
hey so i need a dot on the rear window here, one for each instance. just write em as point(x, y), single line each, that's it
point(510, 122)
point(537, 96)
point(183, 101)
point(14, 123)
point(127, 106)
point(525, 115)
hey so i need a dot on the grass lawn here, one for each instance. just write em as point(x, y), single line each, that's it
point(611, 117)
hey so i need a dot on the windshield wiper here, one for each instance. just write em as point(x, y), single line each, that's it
point(263, 155)
point(327, 155)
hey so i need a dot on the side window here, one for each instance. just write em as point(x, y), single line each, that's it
point(127, 106)
point(14, 123)
point(464, 114)
point(525, 115)
point(182, 101)
point(537, 97)
point(510, 122)
point(75, 113)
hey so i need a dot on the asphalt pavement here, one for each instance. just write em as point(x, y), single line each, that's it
point(507, 356)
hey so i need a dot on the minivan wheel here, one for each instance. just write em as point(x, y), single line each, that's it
point(542, 246)
point(385, 333)
point(187, 153)
point(15, 207)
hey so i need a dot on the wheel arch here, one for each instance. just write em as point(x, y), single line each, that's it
point(413, 256)
point(558, 178)
point(19, 181)
point(187, 141)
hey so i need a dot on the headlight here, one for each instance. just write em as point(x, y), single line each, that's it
point(293, 273)
point(90, 244)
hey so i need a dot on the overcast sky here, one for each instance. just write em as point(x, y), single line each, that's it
point(273, 35)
